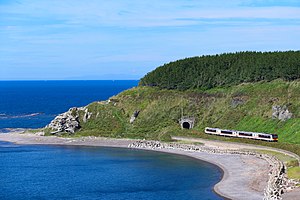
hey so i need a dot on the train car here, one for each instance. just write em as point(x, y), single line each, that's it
point(217, 131)
point(242, 134)
point(267, 137)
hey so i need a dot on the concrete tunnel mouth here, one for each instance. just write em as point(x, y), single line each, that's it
point(186, 125)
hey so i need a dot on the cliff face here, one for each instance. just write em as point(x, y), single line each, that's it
point(271, 107)
point(68, 121)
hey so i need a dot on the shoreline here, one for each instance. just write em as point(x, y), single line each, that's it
point(240, 172)
point(223, 170)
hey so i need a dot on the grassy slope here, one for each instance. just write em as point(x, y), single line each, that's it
point(161, 109)
point(294, 173)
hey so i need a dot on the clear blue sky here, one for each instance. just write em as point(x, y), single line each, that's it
point(125, 39)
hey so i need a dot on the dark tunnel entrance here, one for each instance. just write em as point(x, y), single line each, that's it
point(186, 125)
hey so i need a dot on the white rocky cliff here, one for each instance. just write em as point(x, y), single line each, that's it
point(68, 121)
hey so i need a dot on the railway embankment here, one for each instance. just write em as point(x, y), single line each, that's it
point(235, 146)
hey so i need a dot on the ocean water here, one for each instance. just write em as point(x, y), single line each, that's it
point(66, 172)
point(33, 104)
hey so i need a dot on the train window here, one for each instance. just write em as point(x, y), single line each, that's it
point(275, 136)
point(226, 132)
point(211, 130)
point(264, 136)
point(245, 134)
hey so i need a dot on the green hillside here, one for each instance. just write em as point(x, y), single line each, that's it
point(237, 102)
point(161, 109)
point(225, 69)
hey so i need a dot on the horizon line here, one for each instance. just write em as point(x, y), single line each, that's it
point(72, 80)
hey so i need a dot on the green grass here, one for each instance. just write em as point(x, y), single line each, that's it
point(160, 111)
point(294, 173)
point(280, 156)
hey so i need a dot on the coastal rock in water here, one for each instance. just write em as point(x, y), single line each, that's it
point(66, 122)
point(281, 113)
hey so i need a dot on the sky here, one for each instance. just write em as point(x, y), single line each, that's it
point(125, 39)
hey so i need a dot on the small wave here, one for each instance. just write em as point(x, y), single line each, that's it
point(9, 130)
point(4, 116)
point(4, 130)
point(30, 115)
point(8, 146)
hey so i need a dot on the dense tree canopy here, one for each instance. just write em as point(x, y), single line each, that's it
point(225, 69)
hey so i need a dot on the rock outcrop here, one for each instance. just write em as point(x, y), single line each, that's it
point(87, 115)
point(65, 122)
point(69, 121)
point(235, 102)
point(134, 116)
point(281, 112)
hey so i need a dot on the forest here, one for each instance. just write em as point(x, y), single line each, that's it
point(226, 69)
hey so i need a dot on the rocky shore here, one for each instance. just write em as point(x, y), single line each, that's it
point(277, 183)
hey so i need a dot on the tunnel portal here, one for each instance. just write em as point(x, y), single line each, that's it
point(186, 125)
point(187, 122)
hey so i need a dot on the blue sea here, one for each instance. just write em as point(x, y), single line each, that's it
point(68, 172)
point(33, 104)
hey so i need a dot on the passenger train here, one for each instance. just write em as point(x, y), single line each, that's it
point(242, 134)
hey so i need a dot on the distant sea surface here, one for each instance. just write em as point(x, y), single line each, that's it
point(33, 104)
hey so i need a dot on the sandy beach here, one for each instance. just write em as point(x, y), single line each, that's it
point(245, 177)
